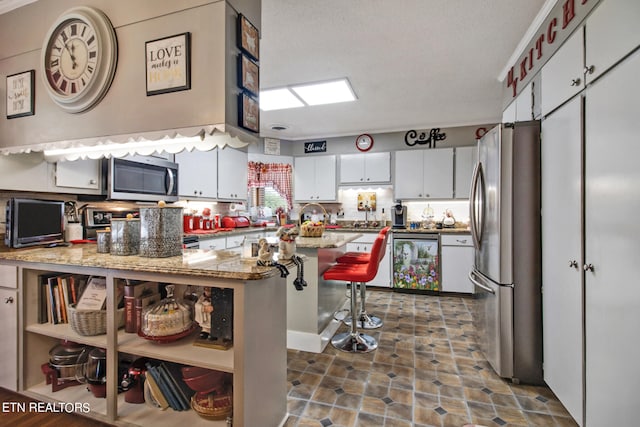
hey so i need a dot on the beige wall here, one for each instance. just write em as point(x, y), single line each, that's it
point(126, 108)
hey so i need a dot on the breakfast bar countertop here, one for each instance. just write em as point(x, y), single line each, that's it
point(215, 264)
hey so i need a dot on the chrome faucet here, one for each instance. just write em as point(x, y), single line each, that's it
point(367, 208)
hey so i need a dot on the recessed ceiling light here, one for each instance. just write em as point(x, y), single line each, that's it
point(278, 99)
point(329, 92)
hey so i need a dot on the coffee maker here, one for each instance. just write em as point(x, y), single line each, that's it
point(399, 214)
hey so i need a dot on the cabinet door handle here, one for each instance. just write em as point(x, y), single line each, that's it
point(590, 69)
point(573, 264)
point(463, 241)
point(575, 82)
point(588, 267)
point(92, 181)
point(8, 300)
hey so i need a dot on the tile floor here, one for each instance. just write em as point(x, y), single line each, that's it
point(427, 371)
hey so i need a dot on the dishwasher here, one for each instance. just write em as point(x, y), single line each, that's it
point(416, 262)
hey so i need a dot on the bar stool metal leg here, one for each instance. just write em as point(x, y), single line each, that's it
point(354, 341)
point(365, 320)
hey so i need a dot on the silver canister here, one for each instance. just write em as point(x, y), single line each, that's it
point(103, 238)
point(125, 236)
point(160, 231)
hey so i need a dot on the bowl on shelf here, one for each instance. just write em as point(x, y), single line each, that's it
point(208, 382)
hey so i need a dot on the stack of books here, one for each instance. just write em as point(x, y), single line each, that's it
point(166, 386)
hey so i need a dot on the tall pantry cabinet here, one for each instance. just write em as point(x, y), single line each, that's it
point(590, 198)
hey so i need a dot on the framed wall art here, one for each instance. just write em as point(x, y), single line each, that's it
point(248, 75)
point(168, 64)
point(248, 38)
point(248, 113)
point(21, 94)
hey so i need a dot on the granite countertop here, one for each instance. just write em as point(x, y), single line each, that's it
point(193, 262)
point(455, 230)
point(328, 240)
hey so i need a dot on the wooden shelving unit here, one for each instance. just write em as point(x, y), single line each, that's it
point(257, 359)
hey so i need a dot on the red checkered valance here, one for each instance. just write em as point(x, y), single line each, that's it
point(276, 175)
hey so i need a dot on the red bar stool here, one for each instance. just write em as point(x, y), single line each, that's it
point(365, 320)
point(354, 341)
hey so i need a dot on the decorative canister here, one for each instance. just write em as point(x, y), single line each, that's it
point(125, 236)
point(160, 231)
point(103, 241)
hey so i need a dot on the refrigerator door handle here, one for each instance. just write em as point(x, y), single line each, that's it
point(480, 285)
point(475, 222)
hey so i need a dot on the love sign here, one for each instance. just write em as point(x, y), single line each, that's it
point(168, 64)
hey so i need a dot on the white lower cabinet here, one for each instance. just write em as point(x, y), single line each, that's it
point(457, 258)
point(364, 244)
point(216, 243)
point(9, 330)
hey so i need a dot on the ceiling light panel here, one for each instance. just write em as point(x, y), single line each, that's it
point(325, 92)
point(278, 99)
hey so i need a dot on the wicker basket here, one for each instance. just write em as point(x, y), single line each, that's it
point(212, 406)
point(91, 322)
point(312, 230)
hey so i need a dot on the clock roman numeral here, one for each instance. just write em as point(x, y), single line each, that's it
point(73, 88)
point(74, 29)
point(91, 40)
point(56, 76)
point(92, 54)
point(84, 29)
point(63, 85)
point(64, 37)
point(89, 69)
point(55, 63)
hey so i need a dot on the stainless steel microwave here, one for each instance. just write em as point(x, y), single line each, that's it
point(142, 179)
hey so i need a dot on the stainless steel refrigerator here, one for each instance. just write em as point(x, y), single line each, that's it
point(505, 228)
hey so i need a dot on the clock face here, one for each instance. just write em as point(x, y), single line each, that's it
point(79, 58)
point(364, 142)
point(71, 59)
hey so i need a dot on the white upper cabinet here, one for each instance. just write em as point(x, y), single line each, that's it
point(315, 178)
point(524, 105)
point(611, 33)
point(365, 168)
point(232, 174)
point(78, 176)
point(24, 172)
point(216, 174)
point(198, 174)
point(563, 75)
point(509, 113)
point(465, 162)
point(424, 174)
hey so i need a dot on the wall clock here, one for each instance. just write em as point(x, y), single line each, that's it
point(364, 142)
point(79, 58)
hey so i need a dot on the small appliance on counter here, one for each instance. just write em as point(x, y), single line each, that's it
point(99, 218)
point(399, 214)
point(235, 222)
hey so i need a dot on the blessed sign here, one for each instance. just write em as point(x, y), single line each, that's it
point(168, 64)
point(315, 147)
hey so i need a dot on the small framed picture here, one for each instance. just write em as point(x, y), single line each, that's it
point(248, 38)
point(168, 64)
point(248, 113)
point(249, 75)
point(21, 94)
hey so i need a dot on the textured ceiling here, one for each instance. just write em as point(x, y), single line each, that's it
point(412, 63)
